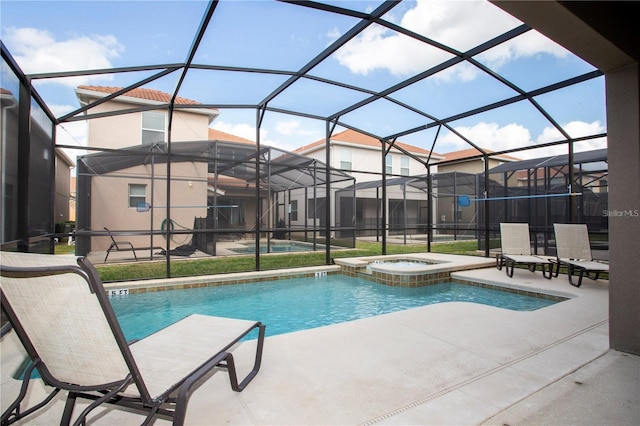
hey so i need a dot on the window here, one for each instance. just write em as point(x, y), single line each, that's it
point(313, 211)
point(345, 158)
point(137, 194)
point(293, 209)
point(404, 166)
point(153, 127)
point(388, 164)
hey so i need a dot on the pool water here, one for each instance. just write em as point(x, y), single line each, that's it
point(279, 247)
point(299, 303)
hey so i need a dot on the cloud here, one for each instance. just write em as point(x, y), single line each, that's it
point(498, 138)
point(287, 127)
point(575, 129)
point(490, 136)
point(458, 24)
point(38, 51)
point(242, 129)
point(289, 134)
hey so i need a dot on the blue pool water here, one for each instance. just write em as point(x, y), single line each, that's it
point(299, 303)
point(278, 247)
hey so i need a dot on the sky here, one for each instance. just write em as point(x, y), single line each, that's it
point(47, 36)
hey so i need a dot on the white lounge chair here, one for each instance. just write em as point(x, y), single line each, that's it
point(574, 252)
point(516, 249)
point(62, 315)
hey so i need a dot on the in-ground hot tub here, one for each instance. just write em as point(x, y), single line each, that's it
point(414, 270)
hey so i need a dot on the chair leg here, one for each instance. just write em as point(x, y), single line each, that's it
point(547, 274)
point(108, 251)
point(508, 264)
point(580, 275)
point(13, 413)
point(499, 262)
point(68, 408)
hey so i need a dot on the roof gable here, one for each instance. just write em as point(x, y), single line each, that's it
point(218, 135)
point(473, 152)
point(140, 93)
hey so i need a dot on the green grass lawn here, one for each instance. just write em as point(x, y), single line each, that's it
point(222, 265)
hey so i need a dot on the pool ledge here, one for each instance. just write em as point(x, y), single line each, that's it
point(163, 284)
point(437, 268)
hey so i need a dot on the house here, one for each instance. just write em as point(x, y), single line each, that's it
point(470, 160)
point(358, 204)
point(123, 186)
point(121, 181)
point(459, 174)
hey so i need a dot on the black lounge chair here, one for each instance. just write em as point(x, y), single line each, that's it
point(574, 252)
point(119, 246)
point(124, 246)
point(62, 315)
point(516, 249)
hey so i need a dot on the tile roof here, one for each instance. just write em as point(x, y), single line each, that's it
point(351, 136)
point(472, 152)
point(140, 93)
point(215, 134)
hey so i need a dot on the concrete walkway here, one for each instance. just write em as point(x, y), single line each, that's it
point(452, 363)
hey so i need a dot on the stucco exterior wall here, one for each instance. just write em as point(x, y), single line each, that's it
point(126, 130)
point(110, 205)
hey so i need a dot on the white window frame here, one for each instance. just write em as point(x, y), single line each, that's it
point(139, 199)
point(404, 166)
point(345, 159)
point(388, 164)
point(144, 129)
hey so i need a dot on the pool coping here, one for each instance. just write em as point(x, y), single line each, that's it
point(179, 283)
point(446, 269)
point(439, 267)
point(348, 266)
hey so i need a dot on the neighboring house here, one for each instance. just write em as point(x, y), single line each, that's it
point(470, 161)
point(146, 127)
point(358, 204)
point(458, 175)
point(234, 198)
point(41, 134)
point(122, 185)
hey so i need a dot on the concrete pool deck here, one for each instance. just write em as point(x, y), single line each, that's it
point(453, 363)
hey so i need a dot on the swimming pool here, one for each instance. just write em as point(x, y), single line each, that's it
point(300, 303)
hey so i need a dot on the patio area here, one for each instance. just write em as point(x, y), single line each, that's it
point(451, 363)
